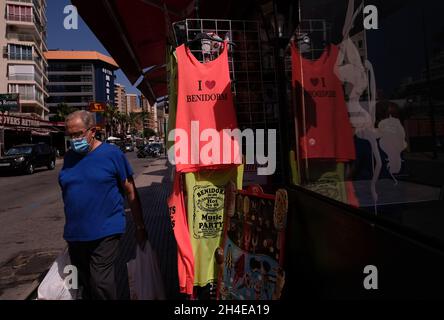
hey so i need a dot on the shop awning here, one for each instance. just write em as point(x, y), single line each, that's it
point(135, 33)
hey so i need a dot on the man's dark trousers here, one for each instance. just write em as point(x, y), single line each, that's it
point(95, 265)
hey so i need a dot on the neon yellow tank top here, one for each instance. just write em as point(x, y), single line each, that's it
point(205, 211)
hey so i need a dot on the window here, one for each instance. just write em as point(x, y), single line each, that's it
point(390, 133)
point(86, 67)
point(21, 72)
point(69, 78)
point(19, 52)
point(68, 88)
point(75, 67)
point(27, 92)
point(19, 13)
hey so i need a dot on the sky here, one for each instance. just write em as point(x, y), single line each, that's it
point(81, 39)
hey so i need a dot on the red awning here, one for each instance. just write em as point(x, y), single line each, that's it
point(135, 33)
point(146, 27)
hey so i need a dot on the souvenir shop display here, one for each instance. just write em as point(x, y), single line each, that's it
point(208, 73)
point(205, 192)
point(251, 262)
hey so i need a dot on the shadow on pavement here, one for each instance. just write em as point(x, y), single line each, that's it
point(160, 235)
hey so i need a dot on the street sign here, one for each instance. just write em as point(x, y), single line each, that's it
point(9, 102)
point(97, 107)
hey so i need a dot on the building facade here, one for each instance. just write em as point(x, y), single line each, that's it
point(151, 118)
point(78, 78)
point(23, 66)
point(132, 103)
point(120, 98)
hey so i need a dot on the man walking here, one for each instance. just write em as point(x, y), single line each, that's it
point(94, 180)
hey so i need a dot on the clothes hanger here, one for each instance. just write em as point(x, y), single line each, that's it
point(205, 36)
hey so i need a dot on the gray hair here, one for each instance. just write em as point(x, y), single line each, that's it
point(88, 118)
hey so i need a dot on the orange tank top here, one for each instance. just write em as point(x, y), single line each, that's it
point(326, 132)
point(185, 258)
point(204, 102)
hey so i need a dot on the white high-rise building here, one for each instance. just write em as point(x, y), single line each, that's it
point(23, 67)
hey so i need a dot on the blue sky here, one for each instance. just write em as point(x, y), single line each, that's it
point(82, 39)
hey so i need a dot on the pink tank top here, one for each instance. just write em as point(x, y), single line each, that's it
point(204, 102)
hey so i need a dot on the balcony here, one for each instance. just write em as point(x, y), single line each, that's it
point(34, 78)
point(27, 23)
point(21, 57)
point(22, 77)
point(28, 97)
point(20, 18)
point(22, 1)
point(20, 37)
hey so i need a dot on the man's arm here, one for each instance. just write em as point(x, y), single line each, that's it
point(136, 209)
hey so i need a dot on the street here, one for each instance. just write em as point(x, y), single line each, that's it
point(31, 226)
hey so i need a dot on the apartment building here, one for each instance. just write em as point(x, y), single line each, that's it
point(23, 67)
point(120, 98)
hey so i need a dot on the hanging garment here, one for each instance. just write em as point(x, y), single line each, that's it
point(172, 93)
point(205, 209)
point(204, 102)
point(326, 132)
point(329, 179)
point(178, 215)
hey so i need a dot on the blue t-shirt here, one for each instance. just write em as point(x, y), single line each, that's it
point(92, 193)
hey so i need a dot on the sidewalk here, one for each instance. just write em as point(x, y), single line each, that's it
point(154, 185)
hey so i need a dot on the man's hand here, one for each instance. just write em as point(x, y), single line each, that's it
point(141, 236)
point(136, 210)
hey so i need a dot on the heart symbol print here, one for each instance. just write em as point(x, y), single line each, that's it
point(314, 81)
point(210, 84)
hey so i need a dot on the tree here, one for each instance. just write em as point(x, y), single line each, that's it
point(122, 120)
point(135, 118)
point(110, 115)
point(148, 132)
point(63, 110)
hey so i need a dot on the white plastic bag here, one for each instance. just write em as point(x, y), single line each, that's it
point(53, 286)
point(144, 276)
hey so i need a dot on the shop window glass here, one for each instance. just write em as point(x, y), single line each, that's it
point(369, 109)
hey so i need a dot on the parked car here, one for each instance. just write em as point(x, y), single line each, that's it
point(27, 157)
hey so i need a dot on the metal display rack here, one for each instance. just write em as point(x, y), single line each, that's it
point(319, 32)
point(252, 70)
point(250, 77)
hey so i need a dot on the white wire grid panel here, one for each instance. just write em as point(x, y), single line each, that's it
point(245, 62)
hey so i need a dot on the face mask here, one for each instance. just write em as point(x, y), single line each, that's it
point(80, 145)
